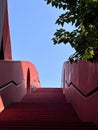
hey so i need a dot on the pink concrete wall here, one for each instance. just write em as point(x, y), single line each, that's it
point(13, 80)
point(83, 76)
point(16, 77)
point(34, 76)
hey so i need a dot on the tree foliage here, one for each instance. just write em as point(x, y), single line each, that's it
point(83, 14)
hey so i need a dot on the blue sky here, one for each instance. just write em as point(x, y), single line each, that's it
point(32, 25)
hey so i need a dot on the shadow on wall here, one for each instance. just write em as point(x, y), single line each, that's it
point(11, 82)
point(1, 51)
point(16, 77)
point(80, 84)
point(28, 80)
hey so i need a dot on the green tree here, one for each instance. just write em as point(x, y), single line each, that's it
point(83, 14)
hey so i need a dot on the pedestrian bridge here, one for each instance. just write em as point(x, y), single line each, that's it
point(24, 104)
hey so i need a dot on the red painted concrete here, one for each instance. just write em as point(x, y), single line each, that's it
point(84, 75)
point(45, 109)
point(1, 104)
point(16, 71)
point(41, 106)
point(34, 77)
point(6, 37)
point(16, 77)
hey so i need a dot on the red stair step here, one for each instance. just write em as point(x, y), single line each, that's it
point(44, 109)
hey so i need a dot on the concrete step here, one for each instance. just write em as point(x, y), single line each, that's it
point(47, 126)
point(45, 109)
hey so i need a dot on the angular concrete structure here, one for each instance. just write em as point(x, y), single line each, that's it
point(24, 105)
point(16, 77)
point(5, 43)
point(80, 85)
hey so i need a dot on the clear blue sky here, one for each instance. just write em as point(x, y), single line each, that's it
point(32, 25)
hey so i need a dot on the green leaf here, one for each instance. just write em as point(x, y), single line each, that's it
point(53, 4)
point(48, 1)
point(83, 15)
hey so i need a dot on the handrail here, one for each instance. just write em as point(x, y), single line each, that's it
point(9, 83)
point(80, 92)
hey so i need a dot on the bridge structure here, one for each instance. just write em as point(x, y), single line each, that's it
point(24, 104)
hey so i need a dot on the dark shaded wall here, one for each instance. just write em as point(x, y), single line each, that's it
point(13, 80)
point(5, 42)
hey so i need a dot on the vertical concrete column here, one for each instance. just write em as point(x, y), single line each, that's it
point(6, 37)
point(2, 14)
point(5, 42)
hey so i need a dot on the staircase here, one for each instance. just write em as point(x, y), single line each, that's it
point(43, 109)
